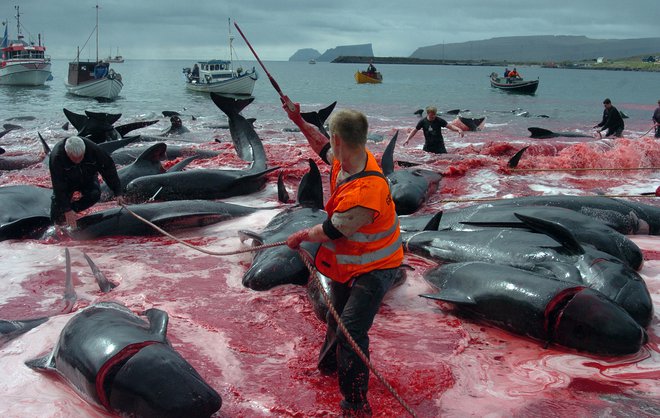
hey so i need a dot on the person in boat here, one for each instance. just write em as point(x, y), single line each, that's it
point(361, 249)
point(371, 70)
point(656, 120)
point(612, 120)
point(75, 164)
point(506, 72)
point(195, 72)
point(432, 126)
point(513, 74)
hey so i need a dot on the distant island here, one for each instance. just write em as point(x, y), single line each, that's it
point(551, 51)
point(639, 63)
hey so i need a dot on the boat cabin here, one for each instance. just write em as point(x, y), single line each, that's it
point(211, 71)
point(81, 71)
point(23, 51)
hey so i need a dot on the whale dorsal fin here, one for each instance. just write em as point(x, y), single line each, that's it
point(158, 321)
point(555, 230)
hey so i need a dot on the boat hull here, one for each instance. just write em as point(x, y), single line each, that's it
point(24, 73)
point(362, 78)
point(514, 86)
point(241, 85)
point(104, 88)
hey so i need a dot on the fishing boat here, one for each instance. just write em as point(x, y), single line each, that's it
point(93, 78)
point(514, 84)
point(23, 63)
point(116, 59)
point(220, 76)
point(362, 77)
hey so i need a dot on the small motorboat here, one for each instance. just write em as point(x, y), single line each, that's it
point(362, 77)
point(514, 84)
point(220, 76)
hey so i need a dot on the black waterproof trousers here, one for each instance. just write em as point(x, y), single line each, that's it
point(357, 303)
point(90, 194)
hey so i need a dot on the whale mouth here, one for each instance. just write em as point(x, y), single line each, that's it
point(108, 371)
point(555, 308)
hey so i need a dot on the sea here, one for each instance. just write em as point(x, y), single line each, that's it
point(258, 349)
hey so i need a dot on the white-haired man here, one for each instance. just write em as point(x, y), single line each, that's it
point(75, 164)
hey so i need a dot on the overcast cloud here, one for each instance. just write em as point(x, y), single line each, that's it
point(177, 29)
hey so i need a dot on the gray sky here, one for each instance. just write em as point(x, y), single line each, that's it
point(197, 29)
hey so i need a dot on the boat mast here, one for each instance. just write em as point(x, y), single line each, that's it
point(231, 48)
point(97, 32)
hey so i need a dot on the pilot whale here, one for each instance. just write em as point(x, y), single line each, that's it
point(549, 310)
point(409, 187)
point(125, 364)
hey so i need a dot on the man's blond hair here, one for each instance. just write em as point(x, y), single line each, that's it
point(351, 126)
point(432, 109)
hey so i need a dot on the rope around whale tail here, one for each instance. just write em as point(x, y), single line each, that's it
point(307, 259)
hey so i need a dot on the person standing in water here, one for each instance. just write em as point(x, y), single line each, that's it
point(361, 249)
point(432, 126)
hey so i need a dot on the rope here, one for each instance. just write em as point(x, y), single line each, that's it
point(585, 169)
point(306, 259)
point(200, 249)
point(491, 199)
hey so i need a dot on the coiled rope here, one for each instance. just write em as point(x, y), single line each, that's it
point(306, 257)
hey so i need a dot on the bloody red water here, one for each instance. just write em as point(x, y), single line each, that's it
point(259, 349)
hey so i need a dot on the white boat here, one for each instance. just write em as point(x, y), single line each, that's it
point(93, 78)
point(220, 76)
point(23, 63)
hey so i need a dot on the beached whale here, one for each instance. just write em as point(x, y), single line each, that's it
point(24, 211)
point(551, 251)
point(281, 265)
point(209, 183)
point(127, 155)
point(170, 216)
point(626, 216)
point(176, 127)
point(542, 133)
point(586, 229)
point(147, 164)
point(126, 364)
point(409, 187)
point(553, 311)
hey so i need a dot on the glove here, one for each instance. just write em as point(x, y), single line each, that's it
point(297, 238)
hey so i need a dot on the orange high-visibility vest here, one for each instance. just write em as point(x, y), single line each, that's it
point(374, 246)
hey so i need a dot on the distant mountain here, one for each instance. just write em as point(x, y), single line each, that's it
point(363, 50)
point(305, 54)
point(540, 48)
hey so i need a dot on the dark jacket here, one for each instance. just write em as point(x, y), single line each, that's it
point(612, 119)
point(68, 177)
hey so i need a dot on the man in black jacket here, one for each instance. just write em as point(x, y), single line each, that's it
point(612, 120)
point(75, 164)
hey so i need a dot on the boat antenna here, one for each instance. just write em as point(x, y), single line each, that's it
point(18, 23)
